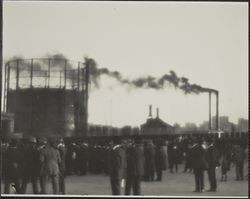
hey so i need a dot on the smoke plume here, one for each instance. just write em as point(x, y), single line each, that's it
point(170, 79)
point(58, 62)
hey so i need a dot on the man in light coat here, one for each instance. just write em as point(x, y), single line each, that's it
point(50, 158)
point(117, 166)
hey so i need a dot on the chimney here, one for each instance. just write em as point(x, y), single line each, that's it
point(157, 112)
point(217, 110)
point(150, 111)
point(209, 119)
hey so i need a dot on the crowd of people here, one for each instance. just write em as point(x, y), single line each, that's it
point(126, 161)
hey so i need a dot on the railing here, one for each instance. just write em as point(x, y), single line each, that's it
point(43, 73)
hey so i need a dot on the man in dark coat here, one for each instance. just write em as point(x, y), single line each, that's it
point(170, 155)
point(62, 166)
point(50, 157)
point(149, 152)
point(187, 158)
point(160, 161)
point(117, 166)
point(12, 161)
point(198, 162)
point(238, 159)
point(213, 162)
point(71, 158)
point(82, 158)
point(106, 158)
point(31, 165)
point(174, 155)
point(41, 144)
point(135, 167)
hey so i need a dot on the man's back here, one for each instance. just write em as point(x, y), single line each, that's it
point(212, 156)
point(118, 161)
point(51, 160)
point(238, 154)
point(63, 151)
point(197, 156)
point(12, 162)
point(135, 160)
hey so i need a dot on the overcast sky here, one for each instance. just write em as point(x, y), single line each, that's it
point(205, 42)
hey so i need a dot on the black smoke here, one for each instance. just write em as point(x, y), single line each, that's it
point(171, 79)
point(58, 62)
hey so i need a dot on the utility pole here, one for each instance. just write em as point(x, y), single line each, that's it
point(86, 96)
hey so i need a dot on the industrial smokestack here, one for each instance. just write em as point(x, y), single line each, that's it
point(87, 64)
point(157, 112)
point(209, 120)
point(150, 111)
point(217, 110)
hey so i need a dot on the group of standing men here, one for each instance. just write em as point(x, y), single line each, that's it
point(35, 162)
point(204, 159)
point(137, 162)
point(207, 158)
point(126, 163)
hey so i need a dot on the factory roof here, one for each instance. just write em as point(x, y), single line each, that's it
point(155, 122)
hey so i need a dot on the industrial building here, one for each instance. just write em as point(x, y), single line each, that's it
point(156, 126)
point(47, 96)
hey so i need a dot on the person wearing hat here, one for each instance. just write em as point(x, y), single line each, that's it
point(31, 165)
point(50, 158)
point(160, 161)
point(238, 157)
point(117, 165)
point(62, 166)
point(187, 158)
point(12, 167)
point(213, 161)
point(82, 158)
point(41, 144)
point(198, 163)
point(149, 151)
point(135, 167)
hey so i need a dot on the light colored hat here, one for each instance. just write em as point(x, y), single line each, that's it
point(43, 140)
point(32, 140)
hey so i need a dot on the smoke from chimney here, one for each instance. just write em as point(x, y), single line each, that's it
point(148, 82)
point(170, 79)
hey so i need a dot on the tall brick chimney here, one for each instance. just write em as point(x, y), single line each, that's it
point(217, 110)
point(209, 119)
point(150, 111)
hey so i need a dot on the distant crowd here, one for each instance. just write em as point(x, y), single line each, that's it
point(127, 161)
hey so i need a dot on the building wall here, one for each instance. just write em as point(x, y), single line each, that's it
point(156, 131)
point(242, 125)
point(7, 125)
point(224, 123)
point(45, 111)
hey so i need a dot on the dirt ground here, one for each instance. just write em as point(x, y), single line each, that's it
point(173, 184)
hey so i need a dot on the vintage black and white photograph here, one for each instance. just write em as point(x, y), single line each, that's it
point(119, 98)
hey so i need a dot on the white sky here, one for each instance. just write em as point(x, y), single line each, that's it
point(205, 42)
